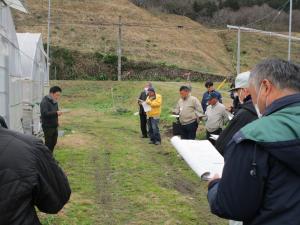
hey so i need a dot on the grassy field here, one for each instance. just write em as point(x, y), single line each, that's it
point(117, 177)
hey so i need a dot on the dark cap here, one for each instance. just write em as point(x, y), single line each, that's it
point(212, 95)
point(151, 89)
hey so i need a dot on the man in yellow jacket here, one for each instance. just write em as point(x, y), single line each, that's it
point(155, 101)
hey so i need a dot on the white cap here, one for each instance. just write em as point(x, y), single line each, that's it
point(242, 80)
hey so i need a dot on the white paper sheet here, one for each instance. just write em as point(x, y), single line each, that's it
point(201, 156)
point(214, 137)
point(230, 116)
point(147, 108)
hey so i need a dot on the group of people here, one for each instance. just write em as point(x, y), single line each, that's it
point(260, 182)
point(189, 111)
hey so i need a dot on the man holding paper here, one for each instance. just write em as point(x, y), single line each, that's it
point(189, 110)
point(261, 178)
point(215, 117)
point(142, 113)
point(154, 101)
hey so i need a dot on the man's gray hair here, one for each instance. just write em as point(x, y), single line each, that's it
point(282, 74)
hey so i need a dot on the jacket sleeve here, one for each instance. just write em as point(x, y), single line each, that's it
point(45, 111)
point(220, 98)
point(225, 117)
point(155, 103)
point(177, 109)
point(198, 108)
point(52, 190)
point(238, 195)
point(140, 97)
point(203, 103)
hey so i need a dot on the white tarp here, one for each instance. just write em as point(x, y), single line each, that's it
point(16, 4)
point(34, 73)
point(10, 72)
point(34, 66)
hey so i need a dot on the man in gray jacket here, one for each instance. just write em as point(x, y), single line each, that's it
point(189, 110)
point(216, 117)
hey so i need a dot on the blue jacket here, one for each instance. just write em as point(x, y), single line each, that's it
point(205, 99)
point(260, 184)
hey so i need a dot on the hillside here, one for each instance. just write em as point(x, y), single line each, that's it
point(87, 26)
point(84, 38)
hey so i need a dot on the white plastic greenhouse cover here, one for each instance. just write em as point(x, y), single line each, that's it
point(16, 4)
point(10, 72)
point(34, 66)
point(34, 74)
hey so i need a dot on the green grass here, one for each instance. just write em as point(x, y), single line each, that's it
point(116, 177)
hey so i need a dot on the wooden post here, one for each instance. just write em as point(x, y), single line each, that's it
point(120, 50)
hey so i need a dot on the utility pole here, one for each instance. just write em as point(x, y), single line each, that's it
point(238, 63)
point(48, 39)
point(120, 50)
point(290, 30)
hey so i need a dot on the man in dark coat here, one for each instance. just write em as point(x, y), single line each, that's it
point(49, 116)
point(29, 178)
point(246, 113)
point(142, 113)
point(261, 178)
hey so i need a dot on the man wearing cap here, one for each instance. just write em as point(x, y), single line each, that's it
point(155, 101)
point(210, 89)
point(189, 110)
point(215, 116)
point(244, 115)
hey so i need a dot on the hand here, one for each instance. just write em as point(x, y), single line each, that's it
point(215, 177)
point(59, 113)
point(229, 109)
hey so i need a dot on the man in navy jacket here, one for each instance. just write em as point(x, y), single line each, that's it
point(261, 178)
point(210, 89)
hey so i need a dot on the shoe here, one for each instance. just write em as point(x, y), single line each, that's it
point(157, 143)
point(151, 143)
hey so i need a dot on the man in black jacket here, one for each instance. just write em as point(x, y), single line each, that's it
point(49, 116)
point(261, 177)
point(244, 115)
point(142, 113)
point(29, 178)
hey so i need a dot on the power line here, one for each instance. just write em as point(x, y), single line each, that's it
point(268, 15)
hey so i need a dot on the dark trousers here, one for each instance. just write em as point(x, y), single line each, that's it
point(51, 135)
point(189, 131)
point(154, 130)
point(143, 122)
point(217, 132)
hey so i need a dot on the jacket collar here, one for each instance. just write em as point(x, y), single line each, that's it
point(247, 99)
point(51, 99)
point(282, 103)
